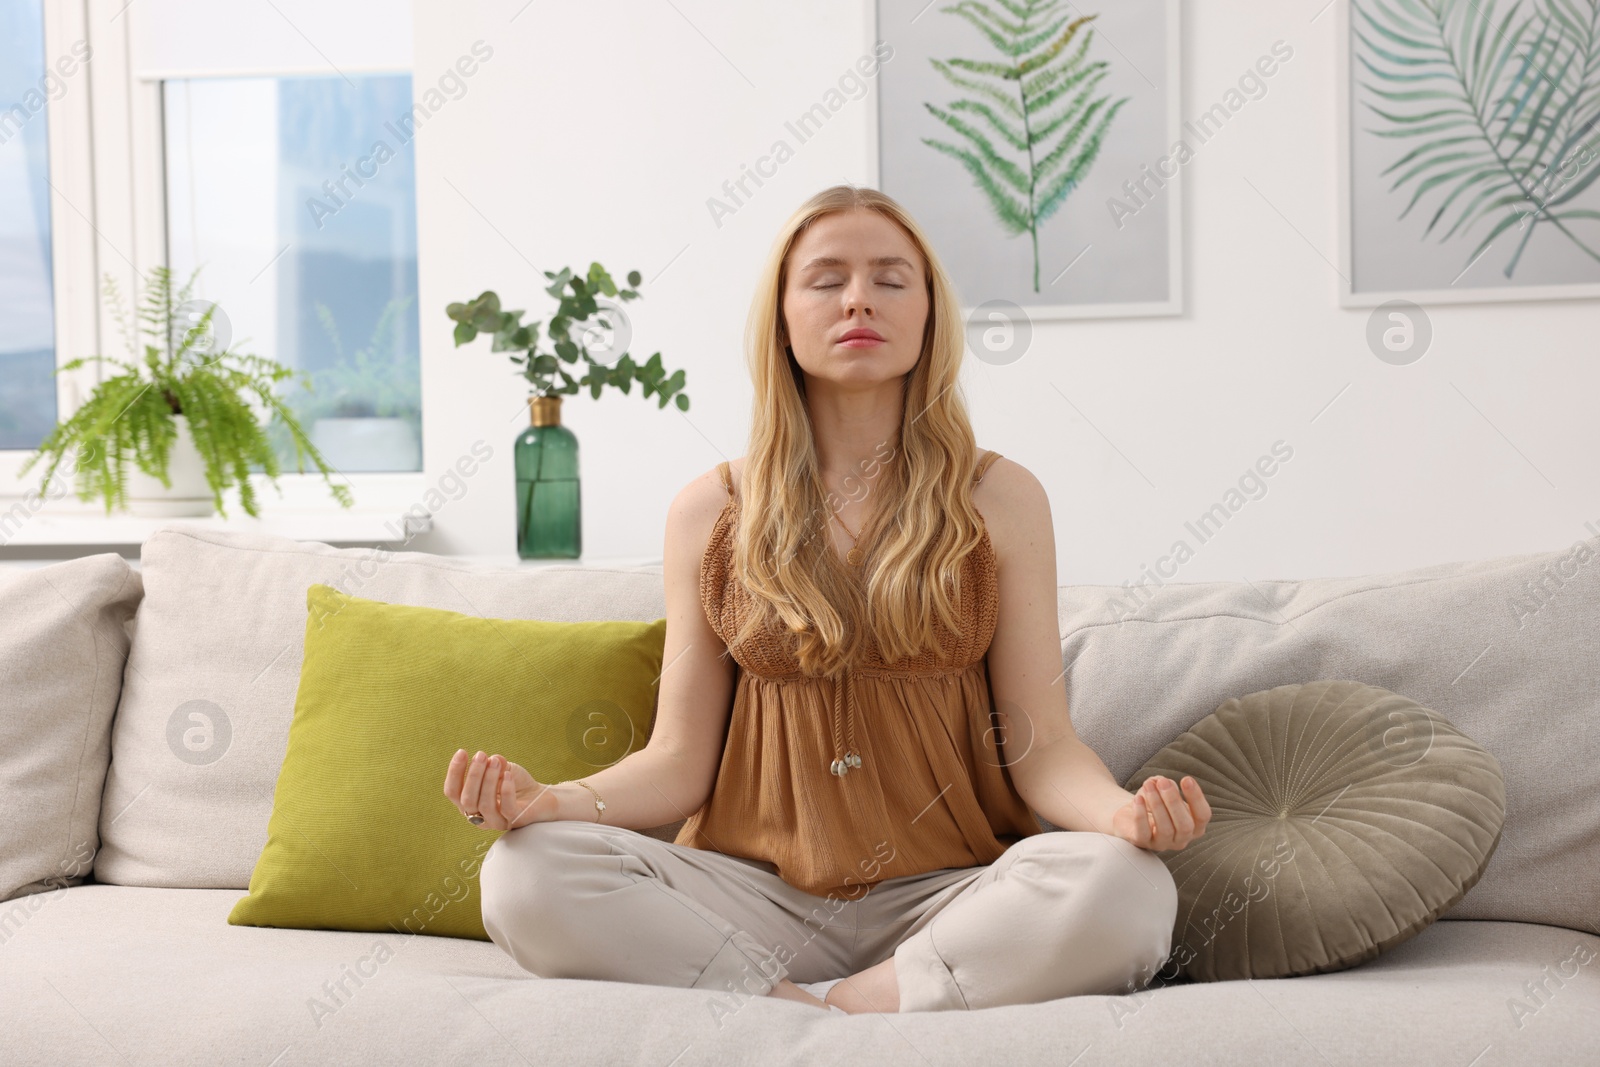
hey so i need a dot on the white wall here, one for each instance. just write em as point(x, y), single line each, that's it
point(584, 138)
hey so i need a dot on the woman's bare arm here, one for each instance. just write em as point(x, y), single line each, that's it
point(671, 777)
point(1054, 772)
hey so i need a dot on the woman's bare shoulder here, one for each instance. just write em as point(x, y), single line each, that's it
point(1002, 477)
point(1013, 502)
point(695, 510)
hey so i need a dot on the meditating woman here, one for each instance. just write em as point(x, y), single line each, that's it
point(861, 705)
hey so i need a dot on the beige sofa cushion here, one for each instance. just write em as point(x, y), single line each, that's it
point(203, 723)
point(1503, 648)
point(63, 643)
point(159, 977)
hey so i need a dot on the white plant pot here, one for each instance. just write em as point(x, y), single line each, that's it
point(190, 495)
point(367, 444)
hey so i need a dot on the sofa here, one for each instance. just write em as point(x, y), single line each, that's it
point(125, 846)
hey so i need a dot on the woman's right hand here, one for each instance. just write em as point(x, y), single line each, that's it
point(505, 794)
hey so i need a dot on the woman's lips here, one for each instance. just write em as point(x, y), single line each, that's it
point(862, 342)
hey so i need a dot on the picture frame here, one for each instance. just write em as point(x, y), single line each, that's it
point(1119, 273)
point(1375, 269)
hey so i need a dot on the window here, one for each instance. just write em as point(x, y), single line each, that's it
point(240, 140)
point(296, 199)
point(27, 303)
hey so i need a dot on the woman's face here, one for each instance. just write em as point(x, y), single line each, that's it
point(855, 270)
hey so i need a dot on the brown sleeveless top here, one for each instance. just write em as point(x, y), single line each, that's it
point(928, 789)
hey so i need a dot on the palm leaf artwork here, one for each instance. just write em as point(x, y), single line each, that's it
point(1023, 153)
point(1501, 112)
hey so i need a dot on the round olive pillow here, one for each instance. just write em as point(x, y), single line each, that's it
point(1344, 819)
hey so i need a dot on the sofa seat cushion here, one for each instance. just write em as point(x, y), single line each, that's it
point(102, 974)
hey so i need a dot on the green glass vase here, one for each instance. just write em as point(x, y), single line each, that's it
point(549, 523)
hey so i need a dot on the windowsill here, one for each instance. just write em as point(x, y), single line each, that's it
point(299, 507)
point(64, 527)
point(391, 509)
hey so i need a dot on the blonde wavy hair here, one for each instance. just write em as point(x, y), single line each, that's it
point(924, 524)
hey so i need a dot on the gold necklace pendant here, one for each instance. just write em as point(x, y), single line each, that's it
point(853, 557)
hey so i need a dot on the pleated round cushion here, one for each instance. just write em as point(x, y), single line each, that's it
point(1345, 819)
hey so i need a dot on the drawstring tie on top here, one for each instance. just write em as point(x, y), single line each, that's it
point(844, 698)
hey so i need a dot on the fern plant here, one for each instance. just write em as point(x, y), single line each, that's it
point(369, 384)
point(1498, 109)
point(1026, 154)
point(130, 415)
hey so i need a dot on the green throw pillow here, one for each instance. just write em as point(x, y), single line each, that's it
point(361, 835)
point(1345, 819)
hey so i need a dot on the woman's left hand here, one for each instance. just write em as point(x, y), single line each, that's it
point(1161, 816)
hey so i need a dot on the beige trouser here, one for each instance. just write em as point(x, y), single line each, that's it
point(1058, 914)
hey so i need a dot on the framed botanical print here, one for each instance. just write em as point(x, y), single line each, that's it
point(1041, 151)
point(1469, 145)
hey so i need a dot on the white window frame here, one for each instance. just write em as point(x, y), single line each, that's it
point(73, 241)
point(108, 214)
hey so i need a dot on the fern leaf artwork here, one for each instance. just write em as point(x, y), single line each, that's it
point(1032, 125)
point(1497, 110)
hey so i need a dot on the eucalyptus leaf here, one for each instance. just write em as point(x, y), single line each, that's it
point(577, 305)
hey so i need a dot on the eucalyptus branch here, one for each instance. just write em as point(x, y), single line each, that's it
point(541, 369)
